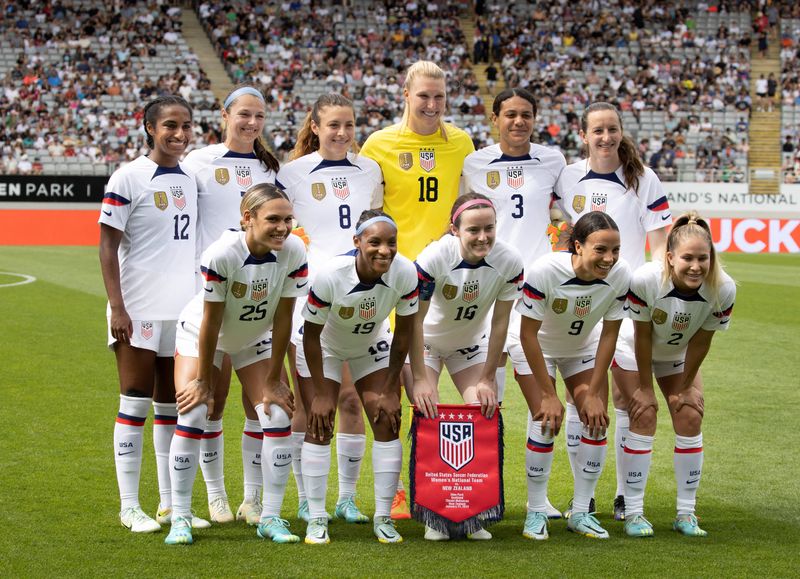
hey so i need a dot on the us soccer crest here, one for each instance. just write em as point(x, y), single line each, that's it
point(160, 199)
point(178, 198)
point(456, 443)
point(406, 161)
point(583, 305)
point(243, 176)
point(449, 291)
point(659, 316)
point(259, 290)
point(239, 289)
point(680, 321)
point(318, 191)
point(366, 311)
point(470, 291)
point(599, 202)
point(515, 177)
point(578, 203)
point(427, 159)
point(559, 305)
point(147, 330)
point(493, 179)
point(340, 188)
point(346, 313)
point(222, 176)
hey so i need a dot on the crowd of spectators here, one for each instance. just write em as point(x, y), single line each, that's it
point(790, 94)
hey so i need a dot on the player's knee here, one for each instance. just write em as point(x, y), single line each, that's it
point(277, 418)
point(646, 421)
point(350, 405)
point(688, 421)
point(194, 418)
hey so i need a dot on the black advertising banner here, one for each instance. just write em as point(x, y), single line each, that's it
point(52, 189)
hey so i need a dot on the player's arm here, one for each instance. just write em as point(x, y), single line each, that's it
point(594, 412)
point(121, 325)
point(487, 384)
point(422, 393)
point(276, 391)
point(201, 389)
point(657, 239)
point(323, 405)
point(551, 410)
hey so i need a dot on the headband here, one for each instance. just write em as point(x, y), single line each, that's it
point(471, 203)
point(243, 91)
point(372, 221)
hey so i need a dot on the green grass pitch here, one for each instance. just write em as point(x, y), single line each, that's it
point(59, 502)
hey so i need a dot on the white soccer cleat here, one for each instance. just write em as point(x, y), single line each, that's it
point(432, 534)
point(220, 511)
point(135, 519)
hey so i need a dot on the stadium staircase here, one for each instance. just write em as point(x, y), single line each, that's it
point(467, 25)
point(207, 57)
point(764, 158)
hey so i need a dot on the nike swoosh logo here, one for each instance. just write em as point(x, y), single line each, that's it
point(312, 312)
point(280, 465)
point(124, 453)
point(626, 308)
point(527, 306)
point(353, 459)
point(184, 468)
point(665, 217)
point(535, 475)
point(381, 358)
point(385, 534)
point(587, 360)
point(256, 463)
point(208, 289)
point(691, 482)
point(633, 482)
point(677, 364)
point(302, 285)
point(412, 304)
point(573, 445)
point(212, 460)
point(590, 471)
point(471, 356)
point(107, 212)
point(259, 352)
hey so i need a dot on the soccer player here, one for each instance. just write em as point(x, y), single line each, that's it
point(566, 295)
point(346, 321)
point(223, 173)
point(613, 179)
point(147, 244)
point(252, 277)
point(463, 277)
point(329, 185)
point(676, 306)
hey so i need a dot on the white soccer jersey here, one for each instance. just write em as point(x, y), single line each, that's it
point(463, 294)
point(222, 178)
point(156, 209)
point(250, 287)
point(521, 189)
point(328, 198)
point(354, 312)
point(676, 317)
point(580, 190)
point(569, 307)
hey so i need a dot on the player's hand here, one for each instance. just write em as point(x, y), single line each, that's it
point(121, 325)
point(388, 403)
point(425, 398)
point(692, 397)
point(594, 415)
point(196, 392)
point(321, 417)
point(280, 394)
point(551, 415)
point(641, 400)
point(487, 397)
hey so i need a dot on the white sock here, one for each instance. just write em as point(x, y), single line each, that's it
point(573, 428)
point(636, 459)
point(621, 429)
point(128, 447)
point(164, 421)
point(350, 449)
point(297, 466)
point(252, 441)
point(387, 460)
point(500, 378)
point(590, 460)
point(688, 460)
point(316, 467)
point(183, 454)
point(538, 462)
point(276, 457)
point(212, 459)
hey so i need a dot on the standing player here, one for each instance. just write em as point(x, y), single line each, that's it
point(421, 160)
point(613, 179)
point(223, 173)
point(252, 277)
point(346, 321)
point(329, 186)
point(519, 177)
point(677, 306)
point(463, 276)
point(566, 295)
point(147, 241)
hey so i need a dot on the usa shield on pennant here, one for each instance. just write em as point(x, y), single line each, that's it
point(583, 305)
point(244, 176)
point(160, 199)
point(493, 179)
point(406, 161)
point(559, 305)
point(449, 291)
point(239, 289)
point(515, 177)
point(178, 198)
point(366, 310)
point(346, 313)
point(427, 159)
point(456, 443)
point(578, 203)
point(222, 176)
point(680, 321)
point(470, 291)
point(659, 316)
point(340, 188)
point(318, 191)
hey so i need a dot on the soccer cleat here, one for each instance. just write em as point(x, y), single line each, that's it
point(432, 534)
point(400, 508)
point(348, 511)
point(688, 526)
point(317, 532)
point(638, 526)
point(536, 526)
point(619, 508)
point(250, 512)
point(220, 511)
point(164, 516)
point(587, 525)
point(384, 529)
point(180, 533)
point(135, 519)
point(552, 512)
point(276, 529)
point(480, 535)
point(568, 512)
point(304, 515)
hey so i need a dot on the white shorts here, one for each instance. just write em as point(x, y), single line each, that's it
point(375, 357)
point(187, 344)
point(624, 355)
point(157, 336)
point(457, 360)
point(567, 366)
point(663, 368)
